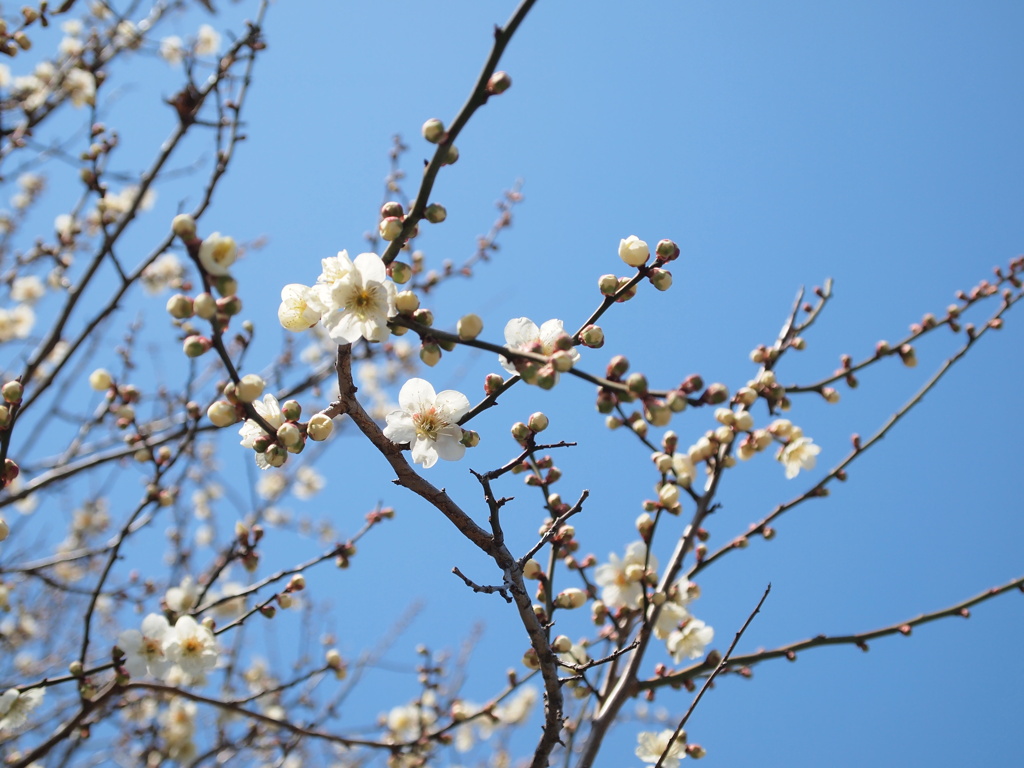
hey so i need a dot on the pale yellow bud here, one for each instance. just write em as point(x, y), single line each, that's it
point(250, 387)
point(469, 326)
point(222, 414)
point(320, 427)
point(100, 379)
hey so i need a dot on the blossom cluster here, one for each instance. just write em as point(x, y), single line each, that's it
point(352, 298)
point(162, 651)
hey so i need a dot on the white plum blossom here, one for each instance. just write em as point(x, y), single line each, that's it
point(690, 641)
point(217, 253)
point(270, 410)
point(15, 706)
point(428, 422)
point(191, 646)
point(28, 289)
point(356, 298)
point(523, 335)
point(671, 615)
point(165, 272)
point(799, 453)
point(172, 50)
point(144, 651)
point(651, 746)
point(207, 41)
point(183, 597)
point(300, 310)
point(621, 579)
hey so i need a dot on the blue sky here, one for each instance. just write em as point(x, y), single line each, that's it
point(778, 144)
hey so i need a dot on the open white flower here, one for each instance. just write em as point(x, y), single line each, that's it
point(522, 334)
point(428, 422)
point(799, 453)
point(270, 410)
point(15, 706)
point(144, 651)
point(620, 579)
point(651, 746)
point(300, 310)
point(690, 641)
point(356, 297)
point(191, 646)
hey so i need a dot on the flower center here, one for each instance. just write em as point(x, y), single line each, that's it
point(362, 301)
point(429, 423)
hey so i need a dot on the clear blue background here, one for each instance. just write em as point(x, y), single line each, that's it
point(779, 144)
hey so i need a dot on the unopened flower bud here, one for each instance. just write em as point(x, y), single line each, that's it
point(222, 414)
point(400, 272)
point(562, 361)
point(435, 213)
point(666, 250)
point(637, 383)
point(592, 336)
point(275, 455)
point(433, 130)
point(184, 226)
point(499, 83)
point(668, 495)
point(407, 302)
point(100, 379)
point(320, 427)
point(537, 422)
point(469, 326)
point(390, 228)
point(908, 356)
point(617, 367)
point(470, 438)
point(561, 644)
point(608, 285)
point(289, 434)
point(570, 598)
point(180, 307)
point(530, 659)
point(205, 306)
point(661, 279)
point(493, 383)
point(532, 570)
point(249, 388)
point(12, 391)
point(430, 354)
point(195, 345)
point(634, 251)
point(229, 306)
point(715, 394)
point(5, 530)
point(520, 432)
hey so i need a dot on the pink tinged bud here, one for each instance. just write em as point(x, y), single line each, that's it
point(605, 401)
point(520, 432)
point(830, 394)
point(433, 130)
point(608, 285)
point(676, 401)
point(249, 388)
point(493, 383)
point(617, 367)
point(407, 302)
point(289, 434)
point(320, 427)
point(546, 377)
point(666, 250)
point(537, 422)
point(499, 83)
point(424, 316)
point(391, 208)
point(627, 293)
point(592, 336)
point(430, 354)
point(291, 410)
point(229, 306)
point(390, 228)
point(284, 600)
point(571, 598)
point(530, 660)
point(715, 394)
point(196, 346)
point(400, 272)
point(12, 391)
point(222, 414)
point(634, 251)
point(179, 306)
point(205, 306)
point(668, 495)
point(561, 644)
point(469, 326)
point(660, 279)
point(453, 155)
point(10, 471)
point(657, 413)
point(435, 213)
point(184, 226)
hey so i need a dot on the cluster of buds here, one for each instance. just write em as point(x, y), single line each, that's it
point(636, 253)
point(248, 538)
point(768, 387)
point(523, 432)
point(657, 410)
point(434, 131)
point(12, 392)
